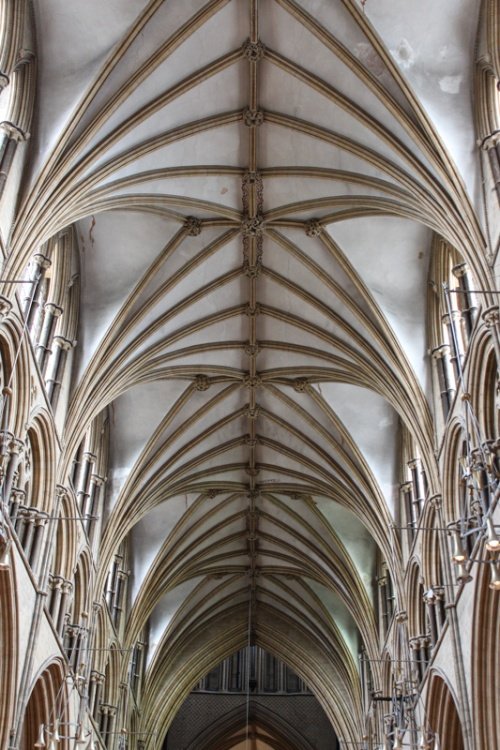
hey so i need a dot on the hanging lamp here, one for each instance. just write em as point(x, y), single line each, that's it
point(495, 577)
point(41, 738)
point(458, 554)
point(492, 540)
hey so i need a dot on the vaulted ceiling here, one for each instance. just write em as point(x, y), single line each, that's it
point(255, 185)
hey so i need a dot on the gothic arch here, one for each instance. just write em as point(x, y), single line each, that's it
point(485, 661)
point(8, 651)
point(442, 713)
point(48, 701)
point(229, 731)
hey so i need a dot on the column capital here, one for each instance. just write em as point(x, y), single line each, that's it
point(490, 141)
point(5, 307)
point(63, 343)
point(13, 131)
point(491, 316)
point(436, 502)
point(441, 351)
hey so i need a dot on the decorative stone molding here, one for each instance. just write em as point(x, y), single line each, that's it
point(64, 343)
point(252, 381)
point(5, 307)
point(192, 226)
point(252, 412)
point(250, 441)
point(201, 383)
point(24, 57)
point(252, 271)
point(212, 492)
point(490, 141)
point(252, 349)
point(439, 352)
point(13, 131)
point(252, 310)
point(436, 502)
point(253, 51)
point(4, 81)
point(252, 471)
point(253, 118)
point(314, 228)
point(460, 270)
point(401, 616)
point(491, 317)
point(42, 261)
point(252, 226)
point(251, 177)
point(300, 385)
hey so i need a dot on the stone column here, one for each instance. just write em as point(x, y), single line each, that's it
point(441, 354)
point(43, 348)
point(491, 144)
point(56, 368)
point(10, 136)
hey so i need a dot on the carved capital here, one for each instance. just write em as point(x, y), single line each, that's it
point(490, 141)
point(440, 351)
point(13, 132)
point(253, 118)
point(253, 51)
point(460, 270)
point(192, 226)
point(5, 307)
point(63, 343)
point(42, 261)
point(436, 502)
point(24, 57)
point(491, 316)
point(401, 616)
point(53, 309)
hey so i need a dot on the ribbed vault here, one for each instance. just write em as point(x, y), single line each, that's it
point(255, 186)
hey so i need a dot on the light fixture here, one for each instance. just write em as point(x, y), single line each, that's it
point(424, 743)
point(41, 739)
point(495, 577)
point(4, 548)
point(458, 554)
point(56, 736)
point(80, 738)
point(430, 596)
point(492, 540)
point(463, 575)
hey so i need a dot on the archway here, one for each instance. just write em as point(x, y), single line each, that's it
point(443, 715)
point(8, 651)
point(486, 678)
point(47, 703)
point(251, 701)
